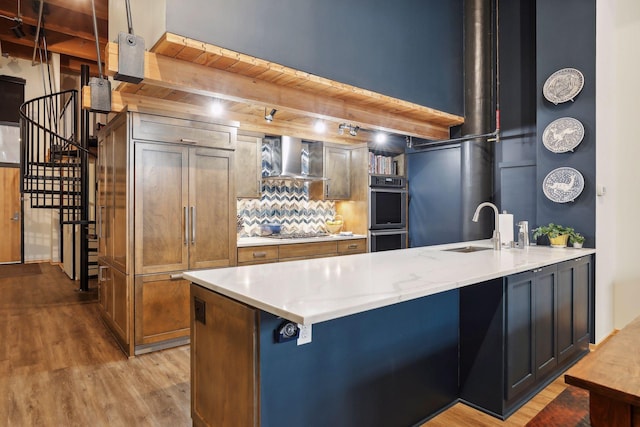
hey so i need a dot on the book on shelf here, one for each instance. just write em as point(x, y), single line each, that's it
point(382, 165)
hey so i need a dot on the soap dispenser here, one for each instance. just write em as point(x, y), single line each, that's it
point(523, 234)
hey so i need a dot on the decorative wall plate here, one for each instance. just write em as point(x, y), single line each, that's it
point(563, 134)
point(563, 85)
point(563, 185)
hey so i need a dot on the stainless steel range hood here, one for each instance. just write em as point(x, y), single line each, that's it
point(292, 159)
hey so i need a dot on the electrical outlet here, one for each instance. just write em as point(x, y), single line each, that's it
point(305, 334)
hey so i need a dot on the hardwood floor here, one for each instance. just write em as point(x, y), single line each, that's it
point(59, 366)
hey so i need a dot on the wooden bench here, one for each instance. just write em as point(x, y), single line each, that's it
point(611, 374)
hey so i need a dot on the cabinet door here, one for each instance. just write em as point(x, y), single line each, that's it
point(212, 209)
point(574, 284)
point(582, 301)
point(545, 343)
point(520, 370)
point(121, 304)
point(161, 204)
point(248, 167)
point(338, 171)
point(118, 217)
point(105, 195)
point(162, 308)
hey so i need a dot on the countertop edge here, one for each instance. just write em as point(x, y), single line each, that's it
point(382, 302)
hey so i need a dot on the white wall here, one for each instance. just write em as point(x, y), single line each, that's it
point(618, 151)
point(39, 224)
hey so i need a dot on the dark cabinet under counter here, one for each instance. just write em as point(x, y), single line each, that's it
point(519, 332)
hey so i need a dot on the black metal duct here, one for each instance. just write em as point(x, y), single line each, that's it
point(477, 155)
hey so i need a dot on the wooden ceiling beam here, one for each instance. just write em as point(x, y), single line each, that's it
point(122, 100)
point(190, 77)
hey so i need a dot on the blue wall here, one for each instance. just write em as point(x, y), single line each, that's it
point(566, 37)
point(410, 49)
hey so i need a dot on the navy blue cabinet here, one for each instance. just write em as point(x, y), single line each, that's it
point(518, 333)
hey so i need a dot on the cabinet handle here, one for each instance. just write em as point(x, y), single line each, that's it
point(193, 225)
point(353, 246)
point(259, 186)
point(177, 276)
point(259, 254)
point(186, 226)
point(100, 269)
point(327, 187)
point(188, 141)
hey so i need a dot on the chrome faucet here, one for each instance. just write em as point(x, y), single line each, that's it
point(497, 244)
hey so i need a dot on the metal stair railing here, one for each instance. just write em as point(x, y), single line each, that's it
point(53, 160)
point(52, 157)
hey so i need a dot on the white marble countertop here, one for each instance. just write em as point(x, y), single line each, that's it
point(244, 242)
point(317, 290)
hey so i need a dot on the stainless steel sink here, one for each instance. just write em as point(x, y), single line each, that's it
point(467, 249)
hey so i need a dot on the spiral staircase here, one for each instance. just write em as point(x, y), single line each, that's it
point(54, 170)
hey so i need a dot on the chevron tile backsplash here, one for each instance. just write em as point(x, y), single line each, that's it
point(284, 202)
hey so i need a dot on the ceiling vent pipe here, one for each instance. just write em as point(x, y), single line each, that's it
point(481, 83)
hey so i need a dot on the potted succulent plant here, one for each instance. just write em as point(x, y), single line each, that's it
point(576, 239)
point(557, 234)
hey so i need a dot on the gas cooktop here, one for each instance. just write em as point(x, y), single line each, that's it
point(299, 235)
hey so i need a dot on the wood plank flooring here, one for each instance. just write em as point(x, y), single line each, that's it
point(59, 366)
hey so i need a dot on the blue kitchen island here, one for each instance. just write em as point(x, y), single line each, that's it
point(385, 338)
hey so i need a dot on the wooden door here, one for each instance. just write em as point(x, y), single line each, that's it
point(11, 217)
point(161, 203)
point(212, 208)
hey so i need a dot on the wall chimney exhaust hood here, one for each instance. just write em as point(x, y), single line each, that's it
point(292, 159)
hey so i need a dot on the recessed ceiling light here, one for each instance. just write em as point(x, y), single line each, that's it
point(216, 108)
point(320, 126)
point(381, 137)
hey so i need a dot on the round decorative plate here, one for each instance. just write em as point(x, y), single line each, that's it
point(563, 85)
point(563, 185)
point(563, 134)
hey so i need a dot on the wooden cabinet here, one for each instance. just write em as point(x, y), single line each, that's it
point(355, 246)
point(257, 255)
point(162, 309)
point(225, 385)
point(115, 302)
point(248, 167)
point(293, 251)
point(337, 171)
point(166, 198)
point(183, 220)
point(518, 333)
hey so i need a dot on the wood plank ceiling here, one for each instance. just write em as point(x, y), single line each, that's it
point(68, 30)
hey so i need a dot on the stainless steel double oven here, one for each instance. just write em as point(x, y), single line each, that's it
point(387, 212)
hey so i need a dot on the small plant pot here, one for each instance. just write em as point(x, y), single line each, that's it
point(577, 245)
point(559, 242)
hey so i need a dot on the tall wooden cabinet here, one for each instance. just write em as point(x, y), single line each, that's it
point(166, 200)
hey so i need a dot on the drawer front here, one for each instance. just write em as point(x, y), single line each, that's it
point(257, 254)
point(181, 131)
point(308, 250)
point(356, 246)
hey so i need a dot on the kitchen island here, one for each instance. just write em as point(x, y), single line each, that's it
point(385, 336)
